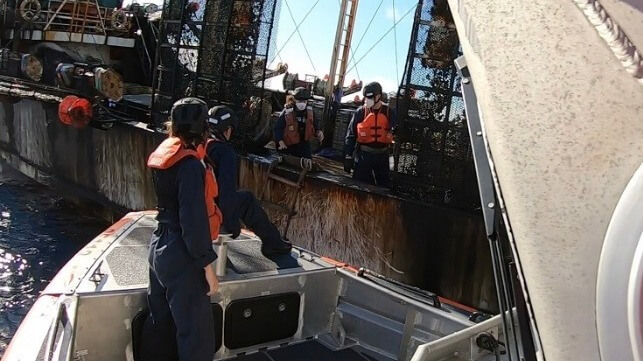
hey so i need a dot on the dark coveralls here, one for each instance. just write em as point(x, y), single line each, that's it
point(303, 148)
point(180, 249)
point(372, 160)
point(236, 204)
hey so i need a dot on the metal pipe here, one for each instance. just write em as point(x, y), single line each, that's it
point(221, 262)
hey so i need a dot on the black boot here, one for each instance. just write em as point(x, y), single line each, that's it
point(284, 248)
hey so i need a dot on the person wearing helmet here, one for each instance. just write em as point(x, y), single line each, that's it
point(368, 137)
point(181, 277)
point(238, 205)
point(296, 126)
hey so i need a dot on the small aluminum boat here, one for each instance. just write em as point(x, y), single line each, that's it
point(290, 307)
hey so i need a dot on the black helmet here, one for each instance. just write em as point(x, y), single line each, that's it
point(301, 93)
point(372, 89)
point(221, 117)
point(188, 116)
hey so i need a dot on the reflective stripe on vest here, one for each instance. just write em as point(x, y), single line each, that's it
point(172, 150)
point(375, 127)
point(291, 130)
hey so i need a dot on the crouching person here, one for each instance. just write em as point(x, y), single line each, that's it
point(238, 205)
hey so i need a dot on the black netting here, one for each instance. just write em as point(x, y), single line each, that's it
point(191, 35)
point(276, 5)
point(197, 16)
point(457, 83)
point(217, 13)
point(263, 43)
point(217, 50)
point(419, 150)
point(428, 106)
point(168, 57)
point(170, 33)
point(457, 117)
point(212, 64)
point(207, 86)
point(238, 66)
point(437, 11)
point(433, 155)
point(440, 47)
point(188, 59)
point(172, 9)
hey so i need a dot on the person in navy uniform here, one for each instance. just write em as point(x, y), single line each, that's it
point(297, 126)
point(368, 137)
point(238, 205)
point(180, 256)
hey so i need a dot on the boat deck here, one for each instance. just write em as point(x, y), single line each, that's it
point(124, 265)
point(284, 308)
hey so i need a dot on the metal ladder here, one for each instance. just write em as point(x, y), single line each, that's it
point(339, 62)
point(341, 50)
point(304, 165)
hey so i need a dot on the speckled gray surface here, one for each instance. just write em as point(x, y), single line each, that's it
point(128, 265)
point(139, 236)
point(564, 122)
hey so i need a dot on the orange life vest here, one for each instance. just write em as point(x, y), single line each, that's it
point(375, 127)
point(291, 130)
point(168, 153)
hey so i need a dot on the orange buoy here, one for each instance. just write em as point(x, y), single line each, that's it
point(75, 111)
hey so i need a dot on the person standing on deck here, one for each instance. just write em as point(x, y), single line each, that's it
point(238, 205)
point(296, 126)
point(368, 136)
point(181, 275)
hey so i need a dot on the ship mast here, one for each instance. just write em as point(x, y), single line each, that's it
point(341, 47)
point(339, 61)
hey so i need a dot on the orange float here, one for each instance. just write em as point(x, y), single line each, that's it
point(75, 111)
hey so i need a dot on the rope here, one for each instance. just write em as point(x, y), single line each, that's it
point(383, 36)
point(397, 72)
point(293, 33)
point(299, 34)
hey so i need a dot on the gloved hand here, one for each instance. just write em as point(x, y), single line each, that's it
point(233, 230)
point(349, 163)
point(320, 136)
point(281, 145)
point(235, 233)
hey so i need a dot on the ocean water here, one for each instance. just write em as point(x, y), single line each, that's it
point(39, 232)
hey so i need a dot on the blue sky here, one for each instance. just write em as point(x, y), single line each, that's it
point(318, 31)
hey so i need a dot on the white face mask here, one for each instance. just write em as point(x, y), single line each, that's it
point(369, 102)
point(301, 105)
